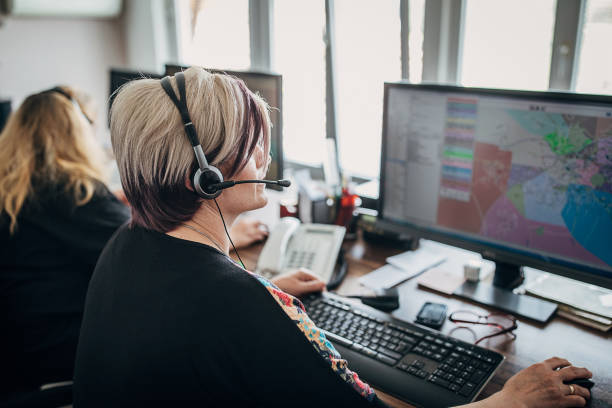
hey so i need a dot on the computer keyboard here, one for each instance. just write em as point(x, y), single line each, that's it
point(414, 363)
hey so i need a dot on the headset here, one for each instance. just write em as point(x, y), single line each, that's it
point(66, 95)
point(207, 181)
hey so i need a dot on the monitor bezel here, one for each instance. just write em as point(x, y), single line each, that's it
point(171, 69)
point(490, 250)
point(134, 75)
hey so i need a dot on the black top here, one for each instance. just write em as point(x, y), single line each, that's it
point(170, 322)
point(45, 268)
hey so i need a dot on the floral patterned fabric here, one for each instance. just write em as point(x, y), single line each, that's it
point(295, 310)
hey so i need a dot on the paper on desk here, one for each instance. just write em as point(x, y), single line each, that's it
point(441, 279)
point(385, 277)
point(401, 267)
point(417, 261)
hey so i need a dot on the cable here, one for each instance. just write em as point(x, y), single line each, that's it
point(227, 233)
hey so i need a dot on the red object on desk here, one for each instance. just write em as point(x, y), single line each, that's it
point(346, 208)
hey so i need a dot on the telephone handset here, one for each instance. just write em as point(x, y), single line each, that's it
point(292, 245)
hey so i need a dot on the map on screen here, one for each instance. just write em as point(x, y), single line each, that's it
point(531, 175)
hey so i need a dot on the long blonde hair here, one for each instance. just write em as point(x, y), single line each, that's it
point(47, 142)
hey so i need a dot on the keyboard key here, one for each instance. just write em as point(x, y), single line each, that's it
point(477, 376)
point(422, 373)
point(369, 352)
point(454, 387)
point(385, 359)
point(467, 389)
point(390, 353)
point(439, 381)
point(418, 364)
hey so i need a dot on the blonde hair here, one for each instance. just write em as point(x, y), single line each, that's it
point(48, 142)
point(154, 155)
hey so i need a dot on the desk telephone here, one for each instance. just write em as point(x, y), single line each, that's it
point(293, 245)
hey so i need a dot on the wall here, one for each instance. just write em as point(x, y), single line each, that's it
point(38, 53)
point(149, 40)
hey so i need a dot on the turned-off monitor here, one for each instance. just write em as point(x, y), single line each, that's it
point(522, 177)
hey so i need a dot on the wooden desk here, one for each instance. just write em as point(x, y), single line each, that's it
point(582, 346)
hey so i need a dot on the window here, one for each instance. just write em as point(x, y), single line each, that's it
point(367, 53)
point(416, 15)
point(507, 44)
point(298, 54)
point(595, 59)
point(215, 33)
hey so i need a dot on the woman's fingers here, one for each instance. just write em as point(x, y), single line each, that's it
point(580, 391)
point(556, 362)
point(313, 286)
point(307, 275)
point(571, 372)
point(573, 401)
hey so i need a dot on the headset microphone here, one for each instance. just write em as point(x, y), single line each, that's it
point(230, 183)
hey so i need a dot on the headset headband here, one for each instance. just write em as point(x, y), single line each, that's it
point(206, 175)
point(181, 105)
point(66, 95)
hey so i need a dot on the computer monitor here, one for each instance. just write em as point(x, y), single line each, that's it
point(5, 111)
point(523, 178)
point(269, 86)
point(119, 77)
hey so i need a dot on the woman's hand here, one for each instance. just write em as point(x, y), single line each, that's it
point(541, 385)
point(247, 231)
point(299, 282)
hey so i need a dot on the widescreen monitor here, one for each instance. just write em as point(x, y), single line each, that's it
point(269, 86)
point(524, 178)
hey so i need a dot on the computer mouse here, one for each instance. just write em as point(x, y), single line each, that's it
point(583, 382)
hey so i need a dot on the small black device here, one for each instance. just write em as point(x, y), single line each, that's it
point(432, 315)
point(583, 382)
point(383, 299)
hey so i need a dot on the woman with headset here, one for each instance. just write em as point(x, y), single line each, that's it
point(56, 215)
point(170, 318)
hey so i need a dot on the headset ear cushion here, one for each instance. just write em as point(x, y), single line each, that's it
point(203, 179)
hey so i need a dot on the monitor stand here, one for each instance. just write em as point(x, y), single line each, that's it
point(499, 294)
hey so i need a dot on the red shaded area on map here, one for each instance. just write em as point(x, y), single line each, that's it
point(503, 222)
point(489, 181)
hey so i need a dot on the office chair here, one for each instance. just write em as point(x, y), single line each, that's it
point(57, 395)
